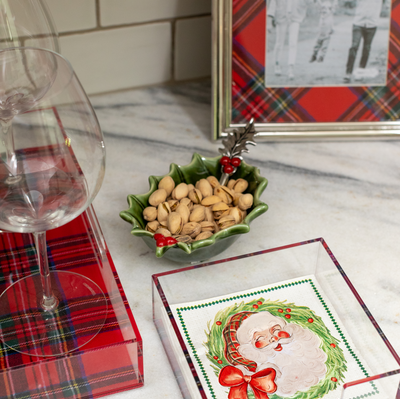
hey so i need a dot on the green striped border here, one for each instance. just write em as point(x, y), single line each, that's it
point(259, 292)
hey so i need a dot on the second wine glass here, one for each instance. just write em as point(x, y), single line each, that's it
point(52, 166)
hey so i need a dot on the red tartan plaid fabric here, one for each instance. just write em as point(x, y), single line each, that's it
point(112, 361)
point(250, 97)
point(231, 352)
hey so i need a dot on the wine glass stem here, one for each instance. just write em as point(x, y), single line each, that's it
point(49, 301)
point(8, 140)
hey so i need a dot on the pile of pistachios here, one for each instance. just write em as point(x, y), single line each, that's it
point(190, 212)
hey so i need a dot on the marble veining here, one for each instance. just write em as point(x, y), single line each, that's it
point(347, 192)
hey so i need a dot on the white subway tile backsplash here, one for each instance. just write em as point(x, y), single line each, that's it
point(120, 58)
point(192, 48)
point(115, 12)
point(73, 15)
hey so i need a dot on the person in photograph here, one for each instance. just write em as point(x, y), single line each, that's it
point(325, 29)
point(286, 16)
point(365, 24)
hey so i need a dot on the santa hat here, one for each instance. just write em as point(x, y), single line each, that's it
point(231, 352)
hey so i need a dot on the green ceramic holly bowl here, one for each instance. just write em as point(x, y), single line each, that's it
point(197, 251)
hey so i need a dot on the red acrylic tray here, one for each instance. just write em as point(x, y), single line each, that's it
point(109, 363)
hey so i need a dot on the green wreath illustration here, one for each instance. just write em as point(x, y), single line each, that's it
point(301, 315)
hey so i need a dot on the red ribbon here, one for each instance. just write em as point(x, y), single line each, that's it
point(261, 383)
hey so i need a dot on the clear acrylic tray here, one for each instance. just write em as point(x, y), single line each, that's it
point(193, 305)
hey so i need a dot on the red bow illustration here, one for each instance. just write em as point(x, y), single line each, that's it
point(261, 383)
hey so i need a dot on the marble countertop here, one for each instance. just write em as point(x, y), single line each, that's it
point(346, 192)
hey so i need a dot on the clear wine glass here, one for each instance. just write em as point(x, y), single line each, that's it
point(52, 166)
point(27, 23)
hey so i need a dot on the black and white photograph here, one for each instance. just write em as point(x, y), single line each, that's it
point(313, 43)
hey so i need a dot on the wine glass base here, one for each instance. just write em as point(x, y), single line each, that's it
point(26, 327)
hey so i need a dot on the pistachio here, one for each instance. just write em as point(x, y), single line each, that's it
point(236, 198)
point(226, 221)
point(205, 187)
point(163, 211)
point(213, 199)
point(245, 201)
point(216, 228)
point(237, 214)
point(181, 191)
point(164, 232)
point(186, 239)
point(183, 210)
point(187, 202)
point(240, 185)
point(173, 204)
point(219, 214)
point(190, 187)
point(204, 235)
point(174, 223)
point(209, 214)
point(224, 193)
point(231, 183)
point(195, 196)
point(152, 226)
point(157, 197)
point(198, 214)
point(168, 184)
point(213, 181)
point(207, 226)
point(220, 206)
point(150, 213)
point(191, 229)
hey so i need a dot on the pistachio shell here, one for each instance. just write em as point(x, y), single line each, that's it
point(174, 223)
point(236, 198)
point(245, 201)
point(204, 235)
point(187, 202)
point(195, 196)
point(226, 221)
point(190, 187)
point(231, 183)
point(213, 181)
point(198, 214)
point(219, 214)
point(186, 239)
point(152, 226)
point(207, 226)
point(237, 214)
point(240, 185)
point(213, 199)
point(224, 193)
point(173, 204)
point(205, 188)
point(150, 213)
point(181, 191)
point(221, 206)
point(183, 210)
point(163, 211)
point(191, 229)
point(157, 197)
point(209, 214)
point(168, 184)
point(164, 232)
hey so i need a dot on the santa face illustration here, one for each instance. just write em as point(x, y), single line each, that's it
point(257, 341)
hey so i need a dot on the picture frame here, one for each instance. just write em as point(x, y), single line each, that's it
point(317, 103)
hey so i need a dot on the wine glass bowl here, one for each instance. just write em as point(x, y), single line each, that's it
point(52, 163)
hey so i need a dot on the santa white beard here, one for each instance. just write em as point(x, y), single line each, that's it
point(299, 365)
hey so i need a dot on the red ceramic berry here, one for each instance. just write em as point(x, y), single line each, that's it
point(236, 162)
point(255, 306)
point(310, 320)
point(171, 240)
point(288, 316)
point(220, 361)
point(218, 323)
point(334, 379)
point(225, 161)
point(288, 310)
point(215, 357)
point(259, 303)
point(158, 236)
point(280, 310)
point(161, 243)
point(228, 169)
point(333, 345)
